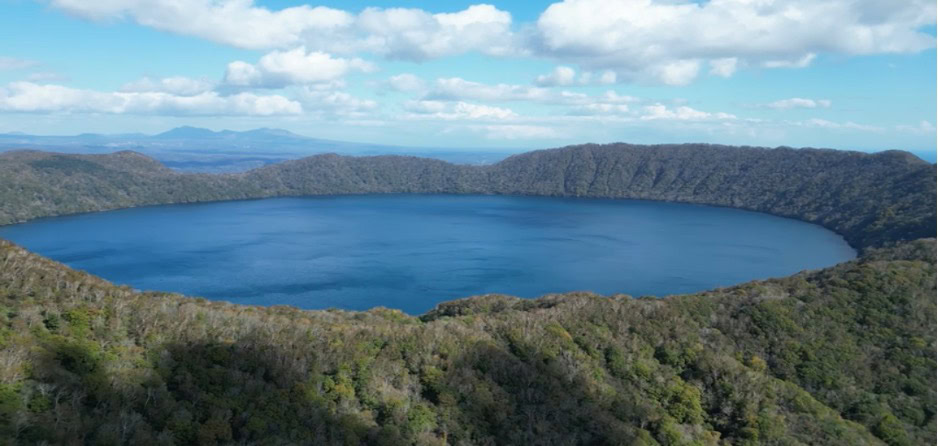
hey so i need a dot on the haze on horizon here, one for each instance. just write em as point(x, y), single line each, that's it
point(512, 74)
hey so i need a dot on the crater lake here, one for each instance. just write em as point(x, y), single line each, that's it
point(411, 252)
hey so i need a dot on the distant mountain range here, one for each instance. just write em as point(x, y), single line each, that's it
point(197, 149)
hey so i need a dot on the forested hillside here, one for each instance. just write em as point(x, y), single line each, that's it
point(868, 198)
point(844, 355)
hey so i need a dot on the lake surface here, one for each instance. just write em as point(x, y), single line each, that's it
point(411, 252)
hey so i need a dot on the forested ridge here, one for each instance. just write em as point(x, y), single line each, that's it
point(843, 355)
point(870, 199)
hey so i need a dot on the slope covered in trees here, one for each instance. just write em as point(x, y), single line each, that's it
point(844, 355)
point(868, 198)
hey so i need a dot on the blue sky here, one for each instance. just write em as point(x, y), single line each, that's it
point(843, 74)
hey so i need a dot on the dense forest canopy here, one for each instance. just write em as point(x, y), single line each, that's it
point(843, 355)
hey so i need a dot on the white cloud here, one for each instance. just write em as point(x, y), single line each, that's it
point(848, 125)
point(178, 85)
point(923, 127)
point(683, 113)
point(608, 77)
point(397, 33)
point(600, 109)
point(406, 82)
point(293, 67)
point(454, 88)
point(449, 90)
point(517, 131)
point(13, 63)
point(237, 23)
point(724, 67)
point(560, 76)
point(800, 62)
point(614, 98)
point(335, 103)
point(609, 103)
point(243, 74)
point(457, 111)
point(679, 72)
point(660, 41)
point(414, 34)
point(785, 104)
point(645, 39)
point(31, 97)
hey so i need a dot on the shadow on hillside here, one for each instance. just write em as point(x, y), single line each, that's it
point(518, 397)
point(200, 393)
point(254, 391)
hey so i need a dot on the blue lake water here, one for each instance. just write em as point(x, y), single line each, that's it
point(411, 252)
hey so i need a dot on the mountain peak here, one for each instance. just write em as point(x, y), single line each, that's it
point(189, 132)
point(186, 132)
point(273, 132)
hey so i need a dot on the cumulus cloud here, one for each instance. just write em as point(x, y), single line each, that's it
point(600, 109)
point(661, 41)
point(848, 125)
point(923, 127)
point(293, 67)
point(517, 131)
point(457, 111)
point(612, 97)
point(607, 104)
point(398, 33)
point(676, 73)
point(414, 34)
point(177, 85)
point(724, 67)
point(658, 112)
point(31, 97)
point(560, 76)
point(607, 77)
point(785, 104)
point(455, 88)
point(666, 41)
point(406, 82)
point(335, 103)
point(800, 62)
point(237, 23)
